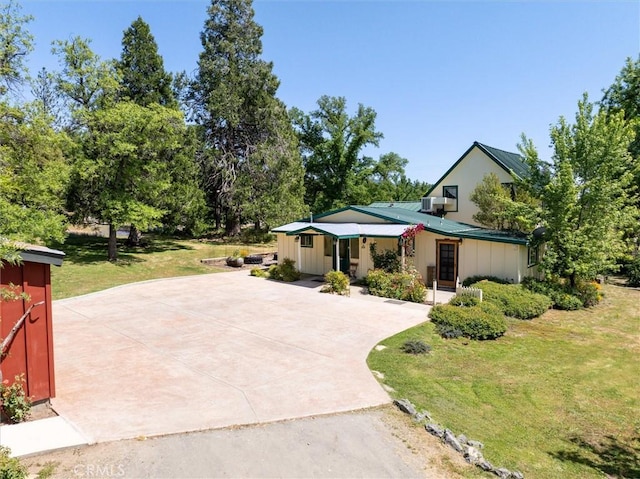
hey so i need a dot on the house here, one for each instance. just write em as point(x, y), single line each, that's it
point(30, 351)
point(450, 246)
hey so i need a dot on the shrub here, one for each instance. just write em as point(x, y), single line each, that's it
point(563, 296)
point(415, 346)
point(285, 271)
point(406, 285)
point(336, 282)
point(11, 467)
point(464, 300)
point(484, 321)
point(514, 300)
point(14, 401)
point(633, 272)
point(387, 260)
point(479, 277)
point(259, 273)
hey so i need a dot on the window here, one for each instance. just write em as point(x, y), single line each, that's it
point(306, 241)
point(533, 256)
point(328, 246)
point(451, 192)
point(355, 248)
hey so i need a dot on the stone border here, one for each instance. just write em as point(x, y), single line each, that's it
point(469, 449)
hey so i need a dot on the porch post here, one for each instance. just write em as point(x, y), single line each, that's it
point(299, 242)
point(338, 254)
point(402, 252)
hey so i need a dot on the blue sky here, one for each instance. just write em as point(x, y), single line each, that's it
point(440, 75)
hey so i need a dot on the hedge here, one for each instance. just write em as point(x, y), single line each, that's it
point(484, 321)
point(514, 300)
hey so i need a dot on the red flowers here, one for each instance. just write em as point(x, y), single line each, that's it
point(412, 231)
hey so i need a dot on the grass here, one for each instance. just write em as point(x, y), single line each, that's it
point(556, 397)
point(85, 268)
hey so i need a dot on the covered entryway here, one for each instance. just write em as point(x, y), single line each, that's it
point(447, 263)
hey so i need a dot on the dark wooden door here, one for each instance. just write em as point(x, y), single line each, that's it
point(447, 263)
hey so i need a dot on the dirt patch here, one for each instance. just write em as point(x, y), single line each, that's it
point(267, 260)
point(42, 410)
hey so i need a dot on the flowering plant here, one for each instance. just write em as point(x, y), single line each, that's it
point(412, 231)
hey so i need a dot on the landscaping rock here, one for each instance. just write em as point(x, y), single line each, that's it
point(405, 406)
point(419, 417)
point(435, 429)
point(462, 439)
point(502, 473)
point(452, 440)
point(476, 444)
point(427, 414)
point(485, 465)
point(473, 456)
point(517, 475)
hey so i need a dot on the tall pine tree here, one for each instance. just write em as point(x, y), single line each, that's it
point(144, 79)
point(250, 160)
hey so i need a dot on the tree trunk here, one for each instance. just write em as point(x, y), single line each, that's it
point(232, 225)
point(134, 236)
point(113, 243)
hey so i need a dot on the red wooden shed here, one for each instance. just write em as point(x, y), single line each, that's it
point(31, 350)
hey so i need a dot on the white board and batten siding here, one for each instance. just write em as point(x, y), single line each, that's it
point(466, 176)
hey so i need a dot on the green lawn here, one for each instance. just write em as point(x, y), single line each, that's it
point(86, 270)
point(556, 397)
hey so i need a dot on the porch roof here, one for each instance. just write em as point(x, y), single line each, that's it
point(343, 230)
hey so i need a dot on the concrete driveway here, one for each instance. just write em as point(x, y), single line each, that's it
point(202, 352)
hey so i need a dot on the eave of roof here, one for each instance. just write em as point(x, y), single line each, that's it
point(39, 254)
point(510, 162)
point(396, 216)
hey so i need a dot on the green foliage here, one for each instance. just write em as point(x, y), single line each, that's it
point(250, 161)
point(484, 321)
point(387, 260)
point(464, 300)
point(124, 172)
point(405, 285)
point(259, 273)
point(11, 467)
point(13, 400)
point(33, 176)
point(503, 208)
point(331, 142)
point(16, 43)
point(480, 277)
point(586, 194)
point(336, 283)
point(563, 296)
point(514, 300)
point(144, 80)
point(415, 346)
point(633, 272)
point(285, 271)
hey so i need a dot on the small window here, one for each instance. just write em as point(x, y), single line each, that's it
point(328, 246)
point(533, 256)
point(306, 241)
point(451, 192)
point(355, 248)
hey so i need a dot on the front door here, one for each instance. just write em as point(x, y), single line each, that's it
point(345, 256)
point(447, 263)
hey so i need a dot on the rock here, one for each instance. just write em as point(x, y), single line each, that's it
point(476, 444)
point(427, 414)
point(450, 439)
point(502, 473)
point(405, 406)
point(517, 475)
point(462, 439)
point(419, 417)
point(473, 456)
point(435, 429)
point(485, 465)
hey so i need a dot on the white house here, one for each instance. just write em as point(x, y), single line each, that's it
point(449, 248)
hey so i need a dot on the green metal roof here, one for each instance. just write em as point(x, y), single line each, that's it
point(512, 163)
point(405, 205)
point(435, 224)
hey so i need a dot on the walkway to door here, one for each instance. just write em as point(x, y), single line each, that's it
point(211, 351)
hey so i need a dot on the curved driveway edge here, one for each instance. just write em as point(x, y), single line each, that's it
point(203, 352)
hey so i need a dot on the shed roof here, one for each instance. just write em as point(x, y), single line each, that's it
point(40, 254)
